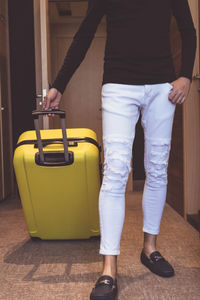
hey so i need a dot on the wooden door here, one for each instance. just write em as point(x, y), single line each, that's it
point(184, 164)
point(1, 149)
point(6, 172)
point(42, 55)
point(191, 126)
point(175, 191)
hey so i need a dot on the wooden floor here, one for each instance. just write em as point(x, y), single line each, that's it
point(68, 269)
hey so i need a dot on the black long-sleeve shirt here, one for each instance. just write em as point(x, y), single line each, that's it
point(138, 41)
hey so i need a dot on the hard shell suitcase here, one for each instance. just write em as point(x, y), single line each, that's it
point(59, 188)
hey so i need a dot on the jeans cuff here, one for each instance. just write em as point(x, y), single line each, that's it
point(151, 231)
point(107, 252)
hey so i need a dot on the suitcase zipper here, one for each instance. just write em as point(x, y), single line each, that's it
point(54, 140)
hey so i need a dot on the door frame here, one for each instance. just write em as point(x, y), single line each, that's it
point(42, 55)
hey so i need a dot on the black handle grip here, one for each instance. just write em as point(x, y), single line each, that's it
point(37, 113)
point(61, 113)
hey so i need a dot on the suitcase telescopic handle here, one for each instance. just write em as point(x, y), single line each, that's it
point(37, 113)
point(61, 113)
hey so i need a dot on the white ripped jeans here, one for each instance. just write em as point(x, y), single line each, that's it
point(121, 106)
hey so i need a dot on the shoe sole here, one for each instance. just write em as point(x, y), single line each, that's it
point(103, 298)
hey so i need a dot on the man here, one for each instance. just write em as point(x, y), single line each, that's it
point(138, 76)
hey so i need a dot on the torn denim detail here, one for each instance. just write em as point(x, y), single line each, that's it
point(117, 165)
point(157, 163)
point(117, 157)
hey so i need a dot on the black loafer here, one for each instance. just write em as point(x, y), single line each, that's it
point(105, 288)
point(157, 264)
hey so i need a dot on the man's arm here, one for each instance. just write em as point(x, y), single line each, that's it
point(182, 13)
point(80, 44)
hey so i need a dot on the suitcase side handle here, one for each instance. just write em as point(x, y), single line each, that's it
point(61, 113)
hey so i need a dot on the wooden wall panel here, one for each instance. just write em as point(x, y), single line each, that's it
point(175, 196)
point(191, 126)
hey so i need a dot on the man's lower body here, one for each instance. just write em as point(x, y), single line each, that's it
point(121, 106)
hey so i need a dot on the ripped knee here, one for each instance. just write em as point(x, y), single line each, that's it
point(117, 157)
point(157, 164)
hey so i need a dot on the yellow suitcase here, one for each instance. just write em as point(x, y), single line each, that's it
point(59, 174)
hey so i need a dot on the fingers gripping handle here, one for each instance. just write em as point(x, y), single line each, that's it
point(61, 113)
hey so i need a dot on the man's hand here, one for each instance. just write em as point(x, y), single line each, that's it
point(181, 87)
point(52, 100)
